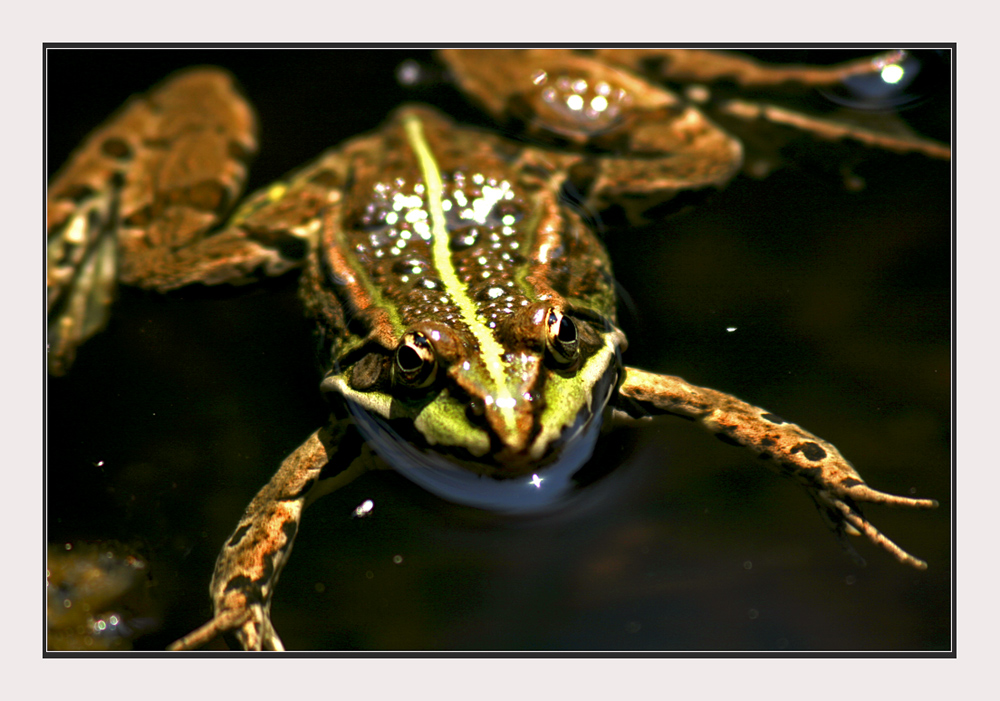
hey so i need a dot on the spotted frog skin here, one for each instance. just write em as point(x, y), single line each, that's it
point(467, 314)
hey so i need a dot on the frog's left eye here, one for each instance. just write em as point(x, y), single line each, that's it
point(562, 341)
point(415, 361)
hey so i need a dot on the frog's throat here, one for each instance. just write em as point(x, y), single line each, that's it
point(462, 478)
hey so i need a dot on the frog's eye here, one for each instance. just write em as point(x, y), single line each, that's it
point(562, 340)
point(415, 362)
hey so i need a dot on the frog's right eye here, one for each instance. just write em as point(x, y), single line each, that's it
point(562, 340)
point(415, 363)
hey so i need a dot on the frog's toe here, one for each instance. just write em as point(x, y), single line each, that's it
point(859, 491)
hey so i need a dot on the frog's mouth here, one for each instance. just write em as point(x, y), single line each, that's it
point(484, 483)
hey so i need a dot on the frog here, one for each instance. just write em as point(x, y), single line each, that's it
point(396, 384)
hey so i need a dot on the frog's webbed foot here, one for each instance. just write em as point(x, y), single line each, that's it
point(840, 510)
point(817, 465)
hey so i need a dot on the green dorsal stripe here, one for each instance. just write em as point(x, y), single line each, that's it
point(491, 352)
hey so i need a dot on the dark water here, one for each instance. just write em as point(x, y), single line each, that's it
point(173, 418)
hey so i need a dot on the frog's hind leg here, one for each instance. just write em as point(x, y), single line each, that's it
point(817, 465)
point(174, 155)
point(140, 200)
point(248, 567)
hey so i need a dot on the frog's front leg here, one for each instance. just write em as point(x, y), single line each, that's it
point(790, 450)
point(248, 567)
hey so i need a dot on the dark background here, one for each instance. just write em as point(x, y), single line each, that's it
point(174, 417)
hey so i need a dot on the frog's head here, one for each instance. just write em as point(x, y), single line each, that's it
point(478, 330)
point(522, 397)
